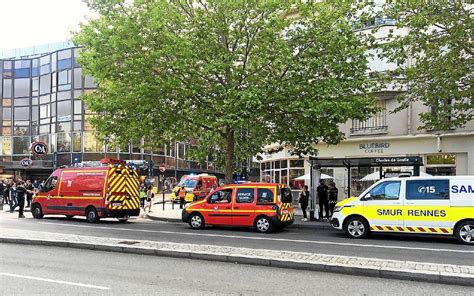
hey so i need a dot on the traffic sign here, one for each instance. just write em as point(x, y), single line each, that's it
point(162, 168)
point(26, 162)
point(39, 149)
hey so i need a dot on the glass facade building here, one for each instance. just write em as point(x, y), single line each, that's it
point(40, 101)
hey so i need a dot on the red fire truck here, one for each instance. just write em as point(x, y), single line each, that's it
point(109, 190)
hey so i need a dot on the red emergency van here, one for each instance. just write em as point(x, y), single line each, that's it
point(197, 187)
point(265, 206)
point(110, 190)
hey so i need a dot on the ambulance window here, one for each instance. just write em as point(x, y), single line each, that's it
point(427, 189)
point(389, 190)
point(245, 195)
point(264, 195)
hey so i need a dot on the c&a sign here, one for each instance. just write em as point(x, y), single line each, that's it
point(39, 149)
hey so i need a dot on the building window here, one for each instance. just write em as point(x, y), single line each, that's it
point(375, 124)
point(441, 164)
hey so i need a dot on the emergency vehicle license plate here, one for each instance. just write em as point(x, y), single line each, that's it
point(116, 204)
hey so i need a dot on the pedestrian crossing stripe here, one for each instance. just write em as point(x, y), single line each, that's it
point(123, 186)
point(413, 229)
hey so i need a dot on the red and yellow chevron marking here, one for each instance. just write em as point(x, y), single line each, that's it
point(413, 229)
point(290, 213)
point(123, 186)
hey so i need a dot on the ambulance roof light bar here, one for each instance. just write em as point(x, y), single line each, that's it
point(112, 161)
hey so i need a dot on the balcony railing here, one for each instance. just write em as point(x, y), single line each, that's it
point(363, 130)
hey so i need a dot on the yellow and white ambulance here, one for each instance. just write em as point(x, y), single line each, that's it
point(429, 205)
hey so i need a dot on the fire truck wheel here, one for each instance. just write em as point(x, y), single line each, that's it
point(263, 224)
point(123, 220)
point(91, 215)
point(37, 211)
point(196, 221)
point(69, 216)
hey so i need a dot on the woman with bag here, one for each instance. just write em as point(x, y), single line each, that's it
point(303, 200)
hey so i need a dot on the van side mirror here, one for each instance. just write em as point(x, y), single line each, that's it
point(367, 197)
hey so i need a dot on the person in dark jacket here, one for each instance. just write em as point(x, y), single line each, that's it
point(333, 195)
point(29, 194)
point(322, 191)
point(303, 200)
point(21, 192)
point(12, 197)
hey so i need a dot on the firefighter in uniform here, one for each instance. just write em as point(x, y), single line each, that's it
point(182, 196)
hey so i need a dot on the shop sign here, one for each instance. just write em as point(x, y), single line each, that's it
point(26, 163)
point(39, 149)
point(374, 147)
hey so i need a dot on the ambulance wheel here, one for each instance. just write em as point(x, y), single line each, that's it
point(196, 221)
point(37, 211)
point(263, 224)
point(357, 227)
point(69, 216)
point(465, 232)
point(91, 215)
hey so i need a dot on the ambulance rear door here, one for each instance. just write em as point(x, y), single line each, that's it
point(462, 192)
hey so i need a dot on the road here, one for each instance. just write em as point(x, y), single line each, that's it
point(322, 240)
point(40, 270)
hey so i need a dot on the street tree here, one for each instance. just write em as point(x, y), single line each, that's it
point(435, 59)
point(233, 76)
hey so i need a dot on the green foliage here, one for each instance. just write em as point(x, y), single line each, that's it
point(233, 75)
point(435, 59)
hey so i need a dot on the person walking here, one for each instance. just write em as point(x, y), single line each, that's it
point(12, 197)
point(21, 191)
point(29, 194)
point(333, 194)
point(6, 193)
point(3, 187)
point(303, 200)
point(322, 191)
point(142, 198)
point(182, 196)
point(149, 198)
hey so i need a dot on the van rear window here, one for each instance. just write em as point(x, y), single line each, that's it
point(427, 189)
point(286, 196)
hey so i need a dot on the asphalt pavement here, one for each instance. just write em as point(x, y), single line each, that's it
point(40, 270)
point(433, 249)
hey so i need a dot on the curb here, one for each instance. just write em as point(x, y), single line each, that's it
point(425, 276)
point(303, 226)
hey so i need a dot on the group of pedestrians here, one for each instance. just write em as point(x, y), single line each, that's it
point(326, 197)
point(14, 192)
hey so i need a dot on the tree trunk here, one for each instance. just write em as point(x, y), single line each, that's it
point(229, 156)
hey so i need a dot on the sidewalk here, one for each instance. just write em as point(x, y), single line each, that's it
point(174, 215)
point(416, 271)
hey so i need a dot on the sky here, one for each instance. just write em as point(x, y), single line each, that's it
point(25, 23)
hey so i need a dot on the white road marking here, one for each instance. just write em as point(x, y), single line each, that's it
point(266, 238)
point(53, 281)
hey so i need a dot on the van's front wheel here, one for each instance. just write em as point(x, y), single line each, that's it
point(465, 232)
point(357, 227)
point(36, 211)
point(91, 215)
